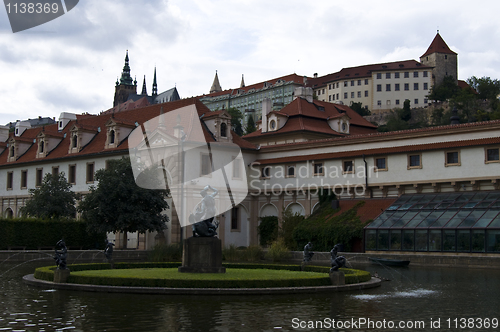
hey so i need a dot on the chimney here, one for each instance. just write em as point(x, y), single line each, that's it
point(315, 75)
point(304, 93)
point(266, 108)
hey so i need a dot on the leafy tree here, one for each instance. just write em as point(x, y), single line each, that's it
point(289, 221)
point(444, 91)
point(117, 204)
point(406, 113)
point(487, 88)
point(53, 199)
point(250, 127)
point(236, 117)
point(358, 108)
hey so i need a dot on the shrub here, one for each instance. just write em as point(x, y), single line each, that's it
point(165, 253)
point(278, 251)
point(325, 231)
point(34, 233)
point(268, 230)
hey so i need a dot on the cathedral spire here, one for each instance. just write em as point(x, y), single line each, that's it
point(144, 90)
point(215, 85)
point(155, 87)
point(126, 79)
point(242, 84)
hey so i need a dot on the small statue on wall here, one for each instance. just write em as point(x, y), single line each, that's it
point(308, 254)
point(61, 255)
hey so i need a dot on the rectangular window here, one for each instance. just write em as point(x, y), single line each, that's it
point(10, 180)
point(329, 98)
point(379, 102)
point(337, 84)
point(237, 168)
point(452, 158)
point(387, 75)
point(90, 172)
point(381, 164)
point(396, 75)
point(492, 155)
point(387, 87)
point(72, 174)
point(206, 165)
point(352, 83)
point(366, 81)
point(396, 87)
point(55, 171)
point(415, 74)
point(39, 177)
point(379, 76)
point(426, 86)
point(359, 94)
point(359, 82)
point(379, 87)
point(265, 172)
point(416, 101)
point(397, 101)
point(425, 73)
point(414, 161)
point(345, 83)
point(318, 169)
point(24, 179)
point(235, 225)
point(366, 93)
point(407, 74)
point(415, 86)
point(407, 87)
point(345, 95)
point(352, 94)
point(348, 166)
point(290, 171)
point(338, 96)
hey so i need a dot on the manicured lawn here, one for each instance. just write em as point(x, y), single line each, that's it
point(231, 274)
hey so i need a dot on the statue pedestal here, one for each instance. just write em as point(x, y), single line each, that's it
point(337, 278)
point(202, 255)
point(60, 276)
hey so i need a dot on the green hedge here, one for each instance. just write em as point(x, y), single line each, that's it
point(35, 233)
point(351, 276)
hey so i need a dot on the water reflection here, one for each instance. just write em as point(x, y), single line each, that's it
point(414, 293)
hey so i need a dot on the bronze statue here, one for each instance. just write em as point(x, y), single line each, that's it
point(108, 250)
point(61, 255)
point(336, 262)
point(204, 213)
point(308, 254)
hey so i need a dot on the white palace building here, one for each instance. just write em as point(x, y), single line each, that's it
point(432, 189)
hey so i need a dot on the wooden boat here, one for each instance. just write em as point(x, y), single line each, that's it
point(389, 262)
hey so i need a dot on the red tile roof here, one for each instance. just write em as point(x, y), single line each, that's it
point(288, 78)
point(438, 45)
point(313, 117)
point(97, 144)
point(381, 151)
point(353, 73)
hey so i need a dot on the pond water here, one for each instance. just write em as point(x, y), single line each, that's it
point(414, 294)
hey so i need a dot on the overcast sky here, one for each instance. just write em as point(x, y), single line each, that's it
point(71, 63)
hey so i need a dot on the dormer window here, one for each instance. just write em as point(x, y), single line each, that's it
point(17, 131)
point(223, 129)
point(111, 137)
point(12, 151)
point(74, 141)
point(41, 146)
point(272, 124)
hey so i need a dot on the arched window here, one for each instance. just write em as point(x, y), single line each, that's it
point(9, 214)
point(223, 130)
point(12, 151)
point(112, 137)
point(74, 141)
point(41, 146)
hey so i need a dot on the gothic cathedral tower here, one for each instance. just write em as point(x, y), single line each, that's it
point(125, 86)
point(442, 59)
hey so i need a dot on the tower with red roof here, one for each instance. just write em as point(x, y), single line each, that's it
point(442, 59)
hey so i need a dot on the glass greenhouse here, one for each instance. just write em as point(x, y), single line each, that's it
point(444, 222)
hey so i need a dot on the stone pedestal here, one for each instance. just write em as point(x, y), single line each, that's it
point(60, 276)
point(337, 278)
point(202, 255)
